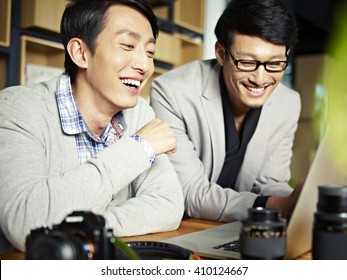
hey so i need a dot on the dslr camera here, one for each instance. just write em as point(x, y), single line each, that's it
point(81, 236)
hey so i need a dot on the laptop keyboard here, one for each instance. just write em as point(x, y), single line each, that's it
point(229, 246)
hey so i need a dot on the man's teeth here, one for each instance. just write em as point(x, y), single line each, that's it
point(130, 82)
point(257, 90)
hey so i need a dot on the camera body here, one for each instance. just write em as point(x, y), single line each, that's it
point(81, 236)
point(329, 240)
point(263, 235)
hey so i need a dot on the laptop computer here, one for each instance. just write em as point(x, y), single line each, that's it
point(221, 242)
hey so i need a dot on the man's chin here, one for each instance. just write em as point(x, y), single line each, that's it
point(255, 105)
point(132, 103)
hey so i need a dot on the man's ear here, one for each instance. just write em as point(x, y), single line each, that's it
point(78, 52)
point(220, 53)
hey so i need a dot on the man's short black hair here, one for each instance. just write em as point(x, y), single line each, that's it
point(85, 19)
point(270, 20)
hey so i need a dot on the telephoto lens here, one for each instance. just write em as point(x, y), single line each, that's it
point(263, 235)
point(329, 240)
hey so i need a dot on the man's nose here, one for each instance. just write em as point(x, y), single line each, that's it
point(141, 61)
point(259, 75)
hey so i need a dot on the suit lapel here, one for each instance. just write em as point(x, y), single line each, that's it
point(212, 104)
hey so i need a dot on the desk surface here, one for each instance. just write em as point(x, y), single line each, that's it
point(186, 226)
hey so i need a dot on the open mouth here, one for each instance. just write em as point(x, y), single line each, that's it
point(256, 91)
point(131, 83)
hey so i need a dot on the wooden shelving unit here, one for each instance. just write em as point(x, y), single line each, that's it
point(146, 90)
point(184, 42)
point(167, 49)
point(190, 14)
point(42, 14)
point(5, 34)
point(5, 22)
point(40, 52)
point(3, 67)
point(190, 48)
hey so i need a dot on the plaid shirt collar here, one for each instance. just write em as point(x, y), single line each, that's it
point(72, 121)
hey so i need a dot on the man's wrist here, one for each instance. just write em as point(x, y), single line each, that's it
point(145, 146)
point(260, 201)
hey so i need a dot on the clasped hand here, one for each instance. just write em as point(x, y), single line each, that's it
point(160, 136)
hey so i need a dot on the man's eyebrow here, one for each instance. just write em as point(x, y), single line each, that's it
point(275, 56)
point(134, 35)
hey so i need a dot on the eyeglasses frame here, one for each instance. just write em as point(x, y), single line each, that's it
point(258, 63)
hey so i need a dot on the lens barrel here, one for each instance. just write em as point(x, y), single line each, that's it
point(329, 240)
point(57, 246)
point(263, 235)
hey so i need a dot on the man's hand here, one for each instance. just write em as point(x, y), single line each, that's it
point(160, 136)
point(286, 204)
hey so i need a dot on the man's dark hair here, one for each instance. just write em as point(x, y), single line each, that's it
point(85, 19)
point(270, 20)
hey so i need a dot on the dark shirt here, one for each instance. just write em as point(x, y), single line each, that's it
point(236, 143)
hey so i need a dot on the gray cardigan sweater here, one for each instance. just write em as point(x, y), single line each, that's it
point(41, 180)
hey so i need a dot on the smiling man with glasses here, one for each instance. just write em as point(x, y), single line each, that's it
point(233, 119)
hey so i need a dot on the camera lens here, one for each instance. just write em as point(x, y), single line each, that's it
point(329, 241)
point(58, 246)
point(263, 235)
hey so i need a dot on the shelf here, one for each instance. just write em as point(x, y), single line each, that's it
point(167, 49)
point(42, 14)
point(40, 52)
point(190, 14)
point(3, 67)
point(162, 11)
point(191, 49)
point(145, 92)
point(5, 22)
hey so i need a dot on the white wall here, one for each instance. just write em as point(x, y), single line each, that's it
point(213, 10)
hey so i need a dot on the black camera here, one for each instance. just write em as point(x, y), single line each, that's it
point(263, 235)
point(81, 236)
point(329, 240)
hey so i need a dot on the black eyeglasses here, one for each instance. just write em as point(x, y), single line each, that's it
point(252, 65)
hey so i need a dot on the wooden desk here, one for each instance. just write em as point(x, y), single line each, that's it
point(186, 226)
